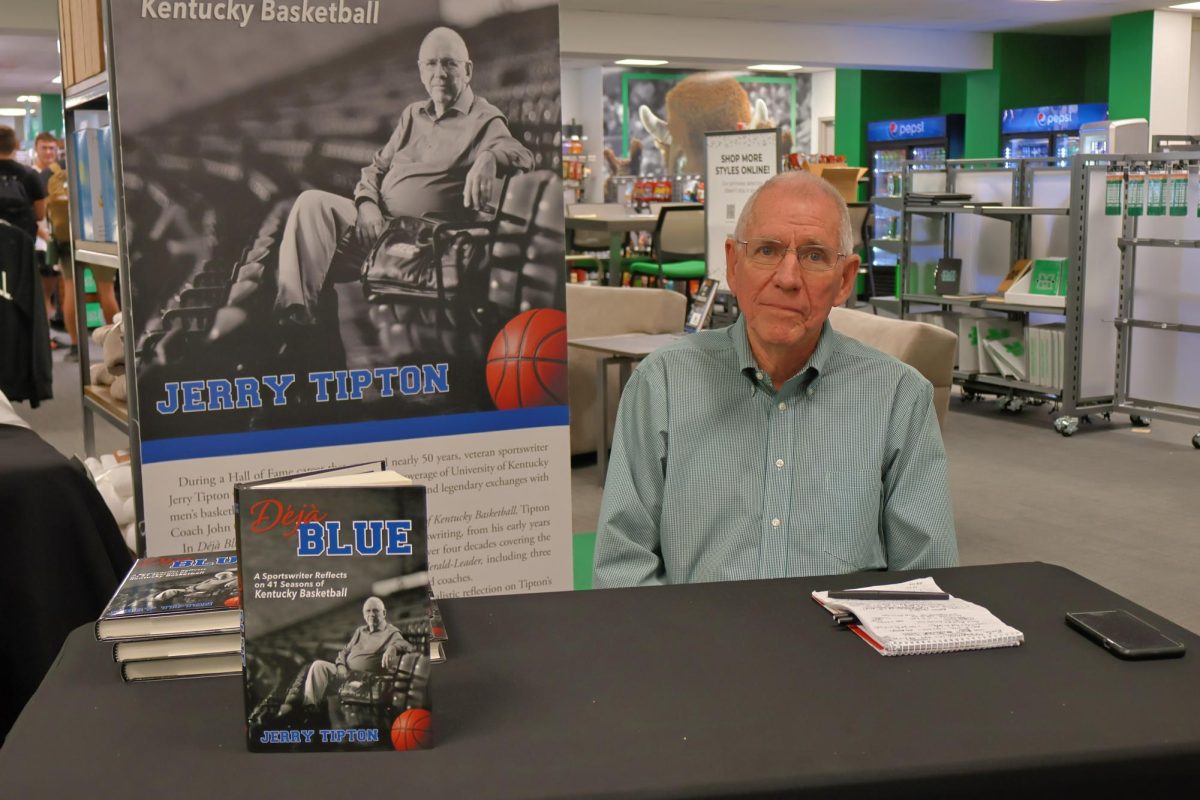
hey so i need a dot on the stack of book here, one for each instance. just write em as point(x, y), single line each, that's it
point(176, 617)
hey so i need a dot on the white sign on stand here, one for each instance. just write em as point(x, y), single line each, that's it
point(735, 164)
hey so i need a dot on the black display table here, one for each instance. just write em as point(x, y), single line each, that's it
point(737, 689)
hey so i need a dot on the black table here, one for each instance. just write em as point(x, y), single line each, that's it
point(740, 689)
point(63, 558)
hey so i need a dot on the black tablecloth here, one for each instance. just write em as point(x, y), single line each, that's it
point(63, 558)
point(739, 689)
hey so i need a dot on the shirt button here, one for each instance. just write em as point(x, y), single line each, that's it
point(758, 374)
point(811, 391)
point(779, 463)
point(783, 406)
point(775, 523)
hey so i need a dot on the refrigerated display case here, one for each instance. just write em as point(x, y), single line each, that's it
point(890, 143)
point(1047, 131)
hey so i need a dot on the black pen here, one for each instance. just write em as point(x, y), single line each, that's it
point(877, 594)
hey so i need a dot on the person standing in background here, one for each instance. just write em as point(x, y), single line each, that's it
point(45, 160)
point(58, 251)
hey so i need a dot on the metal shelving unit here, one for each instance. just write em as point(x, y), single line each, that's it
point(1021, 210)
point(1134, 249)
point(90, 99)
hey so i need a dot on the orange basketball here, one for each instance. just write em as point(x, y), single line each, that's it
point(411, 731)
point(527, 364)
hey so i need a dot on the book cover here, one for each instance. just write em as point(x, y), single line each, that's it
point(106, 176)
point(337, 616)
point(174, 596)
point(82, 173)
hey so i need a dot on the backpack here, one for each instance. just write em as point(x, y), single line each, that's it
point(15, 204)
point(58, 196)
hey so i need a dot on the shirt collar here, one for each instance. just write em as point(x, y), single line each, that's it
point(462, 105)
point(816, 362)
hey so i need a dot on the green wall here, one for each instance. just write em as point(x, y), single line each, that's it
point(1028, 69)
point(52, 114)
point(1129, 68)
point(868, 95)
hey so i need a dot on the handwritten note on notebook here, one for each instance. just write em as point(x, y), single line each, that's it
point(916, 627)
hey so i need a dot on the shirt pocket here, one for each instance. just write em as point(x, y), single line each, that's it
point(851, 499)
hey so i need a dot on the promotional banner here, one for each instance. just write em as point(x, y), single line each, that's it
point(735, 164)
point(345, 242)
point(1051, 118)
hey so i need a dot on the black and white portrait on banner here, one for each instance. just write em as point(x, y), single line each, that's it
point(331, 215)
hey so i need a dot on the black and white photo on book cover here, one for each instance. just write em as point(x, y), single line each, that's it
point(340, 212)
point(337, 626)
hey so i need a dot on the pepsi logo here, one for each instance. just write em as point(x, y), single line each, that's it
point(892, 128)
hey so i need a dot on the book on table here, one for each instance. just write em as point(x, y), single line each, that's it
point(337, 611)
point(206, 666)
point(174, 596)
point(919, 627)
point(178, 647)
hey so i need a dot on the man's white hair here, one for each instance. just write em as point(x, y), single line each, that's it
point(801, 183)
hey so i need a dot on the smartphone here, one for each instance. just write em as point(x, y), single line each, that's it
point(1124, 635)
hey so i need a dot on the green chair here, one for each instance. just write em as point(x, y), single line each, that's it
point(677, 247)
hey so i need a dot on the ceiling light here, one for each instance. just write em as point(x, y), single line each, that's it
point(57, 78)
point(641, 62)
point(1188, 6)
point(12, 112)
point(29, 98)
point(775, 67)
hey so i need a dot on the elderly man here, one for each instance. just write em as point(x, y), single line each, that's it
point(443, 159)
point(374, 647)
point(776, 447)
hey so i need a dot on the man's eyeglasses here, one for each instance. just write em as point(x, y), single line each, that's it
point(448, 64)
point(768, 254)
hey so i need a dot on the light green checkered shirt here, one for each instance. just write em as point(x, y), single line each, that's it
point(715, 475)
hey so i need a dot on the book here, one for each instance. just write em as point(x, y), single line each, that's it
point(337, 613)
point(188, 667)
point(701, 308)
point(919, 627)
point(174, 596)
point(178, 647)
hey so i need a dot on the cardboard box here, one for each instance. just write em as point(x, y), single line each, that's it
point(844, 179)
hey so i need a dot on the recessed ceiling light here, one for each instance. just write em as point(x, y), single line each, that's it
point(57, 78)
point(29, 98)
point(1188, 6)
point(775, 67)
point(12, 112)
point(641, 62)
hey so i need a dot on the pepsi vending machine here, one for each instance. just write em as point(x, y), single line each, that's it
point(1047, 131)
point(890, 143)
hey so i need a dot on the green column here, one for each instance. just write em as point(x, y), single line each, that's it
point(982, 136)
point(52, 114)
point(1130, 51)
point(850, 130)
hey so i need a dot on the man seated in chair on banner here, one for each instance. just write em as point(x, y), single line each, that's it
point(443, 159)
point(776, 447)
point(374, 648)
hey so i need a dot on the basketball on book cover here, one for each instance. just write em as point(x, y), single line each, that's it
point(411, 730)
point(527, 363)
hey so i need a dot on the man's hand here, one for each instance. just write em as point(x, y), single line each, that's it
point(477, 192)
point(369, 225)
point(342, 671)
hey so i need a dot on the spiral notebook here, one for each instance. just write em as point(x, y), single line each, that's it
point(918, 627)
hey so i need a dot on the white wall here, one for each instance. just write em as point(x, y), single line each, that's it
point(1170, 70)
point(583, 101)
point(1193, 123)
point(824, 97)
